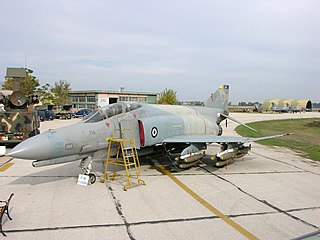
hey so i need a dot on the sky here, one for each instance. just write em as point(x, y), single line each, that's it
point(262, 49)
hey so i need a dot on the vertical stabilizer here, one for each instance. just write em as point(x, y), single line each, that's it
point(219, 99)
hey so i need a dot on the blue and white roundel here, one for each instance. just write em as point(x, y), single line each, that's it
point(154, 132)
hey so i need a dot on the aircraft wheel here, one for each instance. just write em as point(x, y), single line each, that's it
point(92, 178)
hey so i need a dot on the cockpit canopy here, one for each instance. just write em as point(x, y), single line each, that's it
point(111, 110)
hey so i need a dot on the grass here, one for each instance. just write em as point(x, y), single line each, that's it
point(305, 138)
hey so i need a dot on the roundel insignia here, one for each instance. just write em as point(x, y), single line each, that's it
point(154, 132)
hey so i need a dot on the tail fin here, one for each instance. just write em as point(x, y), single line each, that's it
point(219, 99)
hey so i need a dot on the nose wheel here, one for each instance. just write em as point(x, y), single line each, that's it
point(92, 178)
point(86, 165)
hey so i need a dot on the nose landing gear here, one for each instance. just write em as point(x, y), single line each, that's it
point(86, 165)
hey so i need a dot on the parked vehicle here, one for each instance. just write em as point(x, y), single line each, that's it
point(18, 120)
point(63, 111)
point(82, 113)
point(45, 115)
point(42, 115)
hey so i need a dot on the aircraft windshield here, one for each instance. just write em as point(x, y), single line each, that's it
point(110, 111)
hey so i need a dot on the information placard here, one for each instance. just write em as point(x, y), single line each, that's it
point(83, 180)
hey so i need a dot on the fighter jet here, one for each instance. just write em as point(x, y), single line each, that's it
point(296, 109)
point(280, 109)
point(182, 132)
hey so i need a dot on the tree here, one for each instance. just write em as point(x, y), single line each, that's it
point(28, 85)
point(46, 96)
point(168, 96)
point(60, 92)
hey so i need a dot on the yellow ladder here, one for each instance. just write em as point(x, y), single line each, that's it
point(126, 156)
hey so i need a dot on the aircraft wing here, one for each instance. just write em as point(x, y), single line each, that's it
point(215, 139)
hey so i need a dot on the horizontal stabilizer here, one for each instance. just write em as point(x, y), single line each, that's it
point(237, 121)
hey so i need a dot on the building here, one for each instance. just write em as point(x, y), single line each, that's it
point(237, 108)
point(304, 105)
point(93, 99)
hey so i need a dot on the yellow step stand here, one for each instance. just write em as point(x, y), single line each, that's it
point(126, 156)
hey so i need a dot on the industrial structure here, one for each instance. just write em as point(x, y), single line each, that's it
point(91, 99)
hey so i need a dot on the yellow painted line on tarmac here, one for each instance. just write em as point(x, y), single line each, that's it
point(5, 166)
point(232, 223)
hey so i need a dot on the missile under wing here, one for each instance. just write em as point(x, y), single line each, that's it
point(183, 132)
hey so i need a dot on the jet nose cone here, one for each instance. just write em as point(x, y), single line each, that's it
point(35, 148)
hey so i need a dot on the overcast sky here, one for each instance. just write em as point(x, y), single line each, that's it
point(262, 49)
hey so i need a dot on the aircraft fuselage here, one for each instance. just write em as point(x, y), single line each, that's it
point(151, 124)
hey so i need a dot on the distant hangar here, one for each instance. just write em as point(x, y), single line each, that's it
point(305, 105)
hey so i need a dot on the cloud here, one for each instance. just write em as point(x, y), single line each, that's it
point(190, 46)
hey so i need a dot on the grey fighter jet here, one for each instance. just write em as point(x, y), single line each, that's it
point(180, 131)
point(280, 109)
